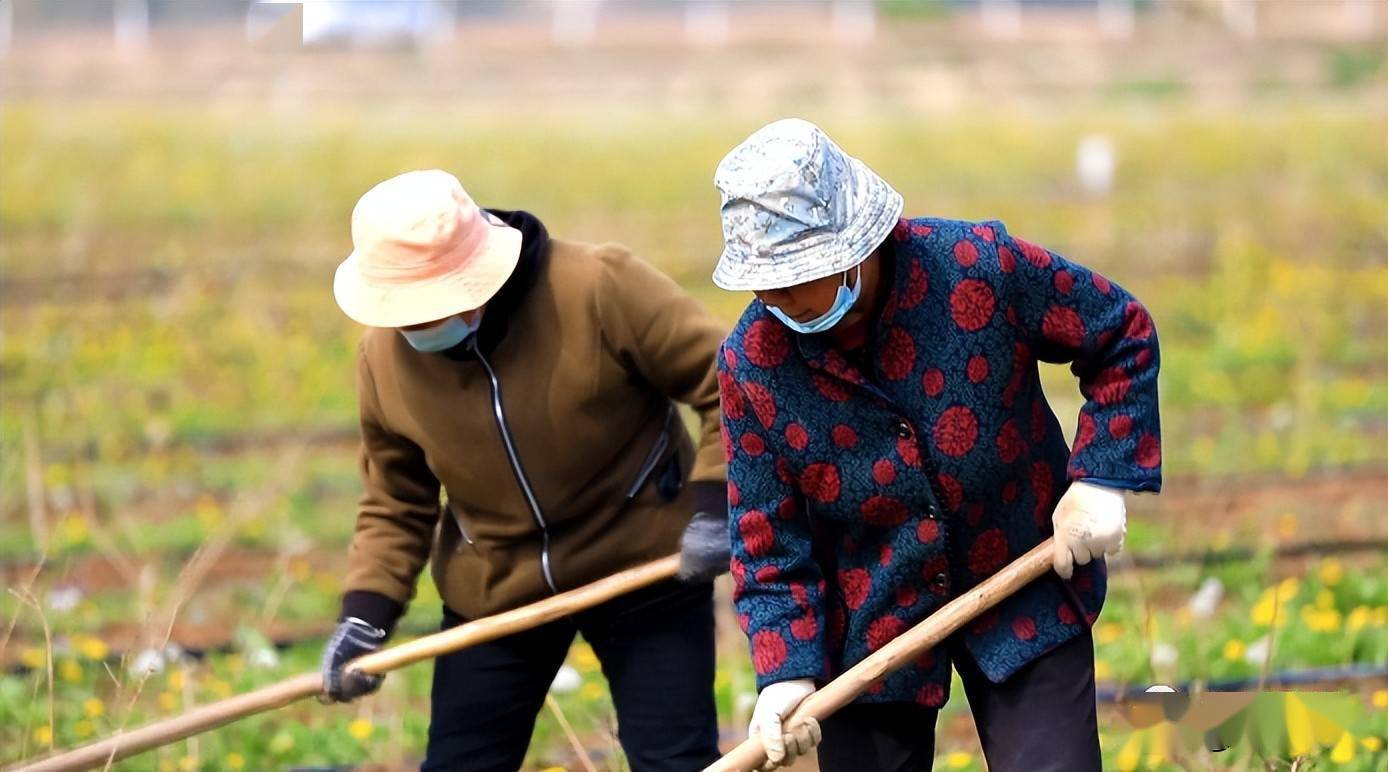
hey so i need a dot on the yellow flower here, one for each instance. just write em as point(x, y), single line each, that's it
point(1372, 744)
point(1108, 632)
point(92, 648)
point(591, 692)
point(1343, 752)
point(1332, 571)
point(1264, 611)
point(82, 728)
point(1358, 618)
point(94, 708)
point(219, 687)
point(177, 678)
point(585, 661)
point(43, 735)
point(1325, 599)
point(360, 729)
point(554, 769)
point(188, 763)
point(70, 671)
point(1321, 621)
point(299, 569)
point(1234, 650)
point(235, 761)
point(73, 529)
point(1379, 699)
point(167, 701)
point(1102, 670)
point(33, 658)
point(958, 760)
point(1288, 588)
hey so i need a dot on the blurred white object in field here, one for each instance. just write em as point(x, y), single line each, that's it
point(1206, 599)
point(854, 21)
point(567, 680)
point(263, 658)
point(1164, 656)
point(146, 663)
point(575, 23)
point(1095, 163)
point(64, 599)
point(1257, 652)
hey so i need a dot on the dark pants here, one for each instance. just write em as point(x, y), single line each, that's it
point(656, 650)
point(1042, 719)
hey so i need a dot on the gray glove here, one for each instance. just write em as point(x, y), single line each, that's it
point(352, 638)
point(705, 551)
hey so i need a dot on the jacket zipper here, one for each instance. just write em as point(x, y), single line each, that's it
point(462, 530)
point(517, 470)
point(653, 457)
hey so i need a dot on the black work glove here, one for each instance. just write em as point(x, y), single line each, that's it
point(366, 621)
point(705, 551)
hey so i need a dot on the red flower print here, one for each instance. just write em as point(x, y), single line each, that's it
point(757, 536)
point(768, 651)
point(1021, 362)
point(1100, 283)
point(1085, 433)
point(906, 596)
point(797, 437)
point(910, 454)
point(1010, 444)
point(926, 661)
point(898, 355)
point(1036, 255)
point(744, 621)
point(884, 558)
point(1042, 485)
point(762, 403)
point(1007, 261)
point(901, 229)
point(977, 369)
point(955, 431)
point(805, 628)
point(988, 552)
point(783, 472)
point(730, 358)
point(1038, 422)
point(984, 232)
point(844, 436)
point(931, 696)
point(767, 574)
point(972, 304)
point(883, 630)
point(727, 442)
point(927, 531)
point(921, 231)
point(1141, 358)
point(854, 583)
point(975, 515)
point(884, 511)
point(965, 252)
point(1119, 426)
point(917, 285)
point(834, 364)
point(1009, 492)
point(766, 343)
point(787, 509)
point(752, 444)
point(1024, 628)
point(731, 397)
point(1139, 322)
point(1065, 614)
point(1109, 386)
point(1063, 326)
point(821, 482)
point(1148, 451)
point(883, 472)
point(832, 390)
point(933, 382)
point(734, 495)
point(1064, 281)
point(951, 489)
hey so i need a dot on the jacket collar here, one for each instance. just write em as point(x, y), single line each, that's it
point(535, 248)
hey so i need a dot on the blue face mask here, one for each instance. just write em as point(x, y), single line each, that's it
point(843, 301)
point(443, 336)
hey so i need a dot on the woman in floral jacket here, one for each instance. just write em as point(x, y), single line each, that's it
point(890, 447)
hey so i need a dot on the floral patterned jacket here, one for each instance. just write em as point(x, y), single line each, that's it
point(861, 502)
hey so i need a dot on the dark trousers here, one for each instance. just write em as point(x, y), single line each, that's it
point(656, 650)
point(1042, 719)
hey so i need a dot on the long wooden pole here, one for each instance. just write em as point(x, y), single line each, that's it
point(903, 649)
point(278, 695)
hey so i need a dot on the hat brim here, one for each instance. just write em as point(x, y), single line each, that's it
point(428, 300)
point(877, 208)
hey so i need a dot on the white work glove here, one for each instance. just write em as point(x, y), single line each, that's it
point(783, 745)
point(1090, 521)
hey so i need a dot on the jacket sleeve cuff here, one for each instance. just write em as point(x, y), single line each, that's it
point(710, 497)
point(1137, 486)
point(372, 608)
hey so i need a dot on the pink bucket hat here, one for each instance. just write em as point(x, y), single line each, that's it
point(422, 251)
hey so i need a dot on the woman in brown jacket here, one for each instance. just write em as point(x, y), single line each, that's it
point(531, 381)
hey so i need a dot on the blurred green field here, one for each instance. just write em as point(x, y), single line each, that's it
point(176, 375)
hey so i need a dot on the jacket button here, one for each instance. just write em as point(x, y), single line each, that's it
point(941, 580)
point(932, 512)
point(903, 430)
